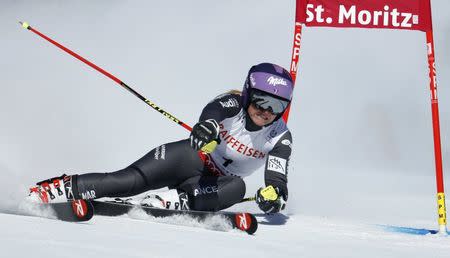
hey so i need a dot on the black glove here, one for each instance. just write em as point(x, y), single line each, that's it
point(203, 133)
point(269, 200)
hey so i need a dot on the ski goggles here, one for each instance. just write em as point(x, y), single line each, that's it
point(264, 101)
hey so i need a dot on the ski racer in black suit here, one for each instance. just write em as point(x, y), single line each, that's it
point(250, 135)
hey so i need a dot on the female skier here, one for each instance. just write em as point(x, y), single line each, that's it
point(250, 135)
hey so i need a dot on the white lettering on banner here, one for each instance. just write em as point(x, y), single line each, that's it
point(297, 41)
point(276, 164)
point(364, 17)
point(347, 15)
point(415, 19)
point(407, 17)
point(432, 67)
point(318, 10)
point(296, 50)
point(353, 15)
point(433, 78)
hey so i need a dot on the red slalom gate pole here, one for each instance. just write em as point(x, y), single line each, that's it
point(112, 77)
point(442, 214)
point(294, 61)
point(295, 57)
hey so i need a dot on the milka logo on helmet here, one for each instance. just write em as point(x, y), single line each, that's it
point(276, 81)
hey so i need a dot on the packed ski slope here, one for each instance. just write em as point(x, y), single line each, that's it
point(361, 122)
point(301, 236)
point(291, 235)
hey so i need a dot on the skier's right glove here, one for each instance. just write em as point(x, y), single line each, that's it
point(269, 200)
point(204, 135)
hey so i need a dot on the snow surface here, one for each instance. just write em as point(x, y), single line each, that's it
point(361, 121)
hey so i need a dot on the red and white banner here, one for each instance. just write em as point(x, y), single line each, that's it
point(382, 14)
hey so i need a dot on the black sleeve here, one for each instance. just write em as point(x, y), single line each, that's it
point(222, 107)
point(276, 170)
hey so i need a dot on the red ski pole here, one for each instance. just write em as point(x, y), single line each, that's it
point(208, 148)
point(112, 77)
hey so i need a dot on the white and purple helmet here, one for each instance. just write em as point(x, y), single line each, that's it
point(270, 85)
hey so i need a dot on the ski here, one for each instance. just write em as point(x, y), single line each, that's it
point(243, 221)
point(74, 211)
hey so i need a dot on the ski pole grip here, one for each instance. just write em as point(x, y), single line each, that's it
point(210, 147)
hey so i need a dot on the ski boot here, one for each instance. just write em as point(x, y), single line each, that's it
point(53, 190)
point(172, 199)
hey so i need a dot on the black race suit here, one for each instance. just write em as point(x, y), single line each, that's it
point(177, 165)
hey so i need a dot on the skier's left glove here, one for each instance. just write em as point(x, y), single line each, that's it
point(204, 135)
point(269, 200)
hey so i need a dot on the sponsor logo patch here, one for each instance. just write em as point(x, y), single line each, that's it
point(90, 194)
point(229, 103)
point(68, 187)
point(160, 152)
point(277, 164)
point(287, 142)
point(243, 221)
point(276, 81)
point(206, 190)
point(79, 207)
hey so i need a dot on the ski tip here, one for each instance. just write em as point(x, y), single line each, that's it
point(246, 222)
point(82, 209)
point(74, 211)
point(253, 226)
